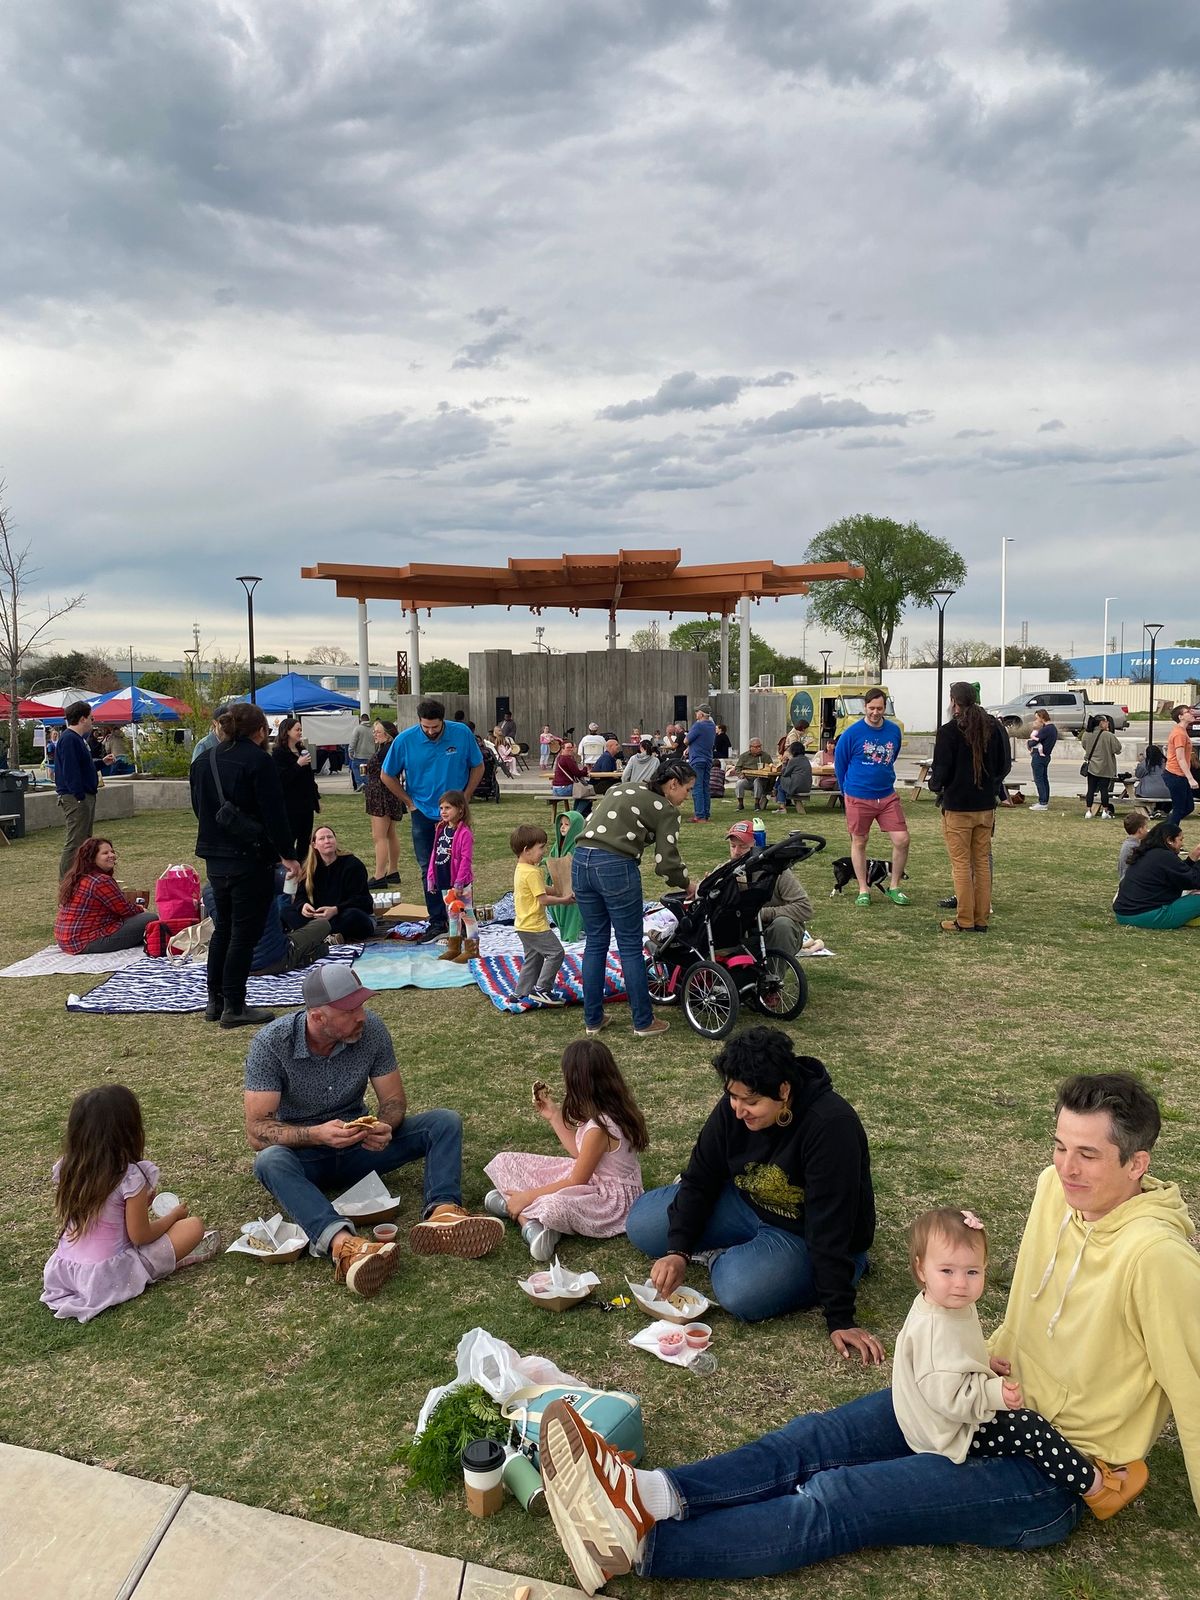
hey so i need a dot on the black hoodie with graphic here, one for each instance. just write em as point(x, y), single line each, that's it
point(811, 1178)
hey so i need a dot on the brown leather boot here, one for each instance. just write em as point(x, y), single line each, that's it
point(470, 951)
point(453, 946)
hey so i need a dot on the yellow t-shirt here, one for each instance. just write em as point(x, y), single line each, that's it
point(528, 883)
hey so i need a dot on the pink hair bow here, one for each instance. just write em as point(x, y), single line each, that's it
point(971, 1220)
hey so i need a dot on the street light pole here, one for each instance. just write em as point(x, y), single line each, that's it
point(1153, 629)
point(1104, 668)
point(250, 583)
point(943, 598)
point(1004, 544)
point(825, 655)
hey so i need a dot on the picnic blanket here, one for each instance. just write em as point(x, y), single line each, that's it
point(398, 966)
point(497, 976)
point(52, 959)
point(161, 984)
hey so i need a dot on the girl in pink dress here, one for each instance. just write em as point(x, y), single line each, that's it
point(111, 1246)
point(589, 1190)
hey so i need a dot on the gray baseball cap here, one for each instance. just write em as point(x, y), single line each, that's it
point(335, 983)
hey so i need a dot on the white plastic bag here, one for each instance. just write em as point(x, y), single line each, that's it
point(497, 1368)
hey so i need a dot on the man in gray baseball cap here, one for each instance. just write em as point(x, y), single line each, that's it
point(307, 1119)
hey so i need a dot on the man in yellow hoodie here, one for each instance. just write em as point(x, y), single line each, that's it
point(1102, 1331)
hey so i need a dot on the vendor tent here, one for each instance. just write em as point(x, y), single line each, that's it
point(26, 708)
point(296, 694)
point(132, 704)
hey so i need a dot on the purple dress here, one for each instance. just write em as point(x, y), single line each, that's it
point(596, 1209)
point(103, 1266)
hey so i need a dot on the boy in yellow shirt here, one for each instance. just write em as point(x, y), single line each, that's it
point(531, 895)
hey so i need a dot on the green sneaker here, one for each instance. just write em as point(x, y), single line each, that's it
point(897, 897)
point(864, 899)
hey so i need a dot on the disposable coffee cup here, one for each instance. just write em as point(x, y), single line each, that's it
point(483, 1469)
point(524, 1482)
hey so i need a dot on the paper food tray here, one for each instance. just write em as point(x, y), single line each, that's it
point(565, 1288)
point(290, 1241)
point(367, 1201)
point(647, 1297)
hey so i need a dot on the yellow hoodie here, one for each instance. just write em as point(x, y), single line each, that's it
point(1103, 1322)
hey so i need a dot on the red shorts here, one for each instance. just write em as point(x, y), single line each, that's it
point(888, 813)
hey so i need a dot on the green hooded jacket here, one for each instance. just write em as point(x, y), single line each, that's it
point(567, 919)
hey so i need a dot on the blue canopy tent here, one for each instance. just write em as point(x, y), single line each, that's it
point(298, 694)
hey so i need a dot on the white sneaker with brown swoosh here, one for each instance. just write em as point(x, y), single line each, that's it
point(592, 1495)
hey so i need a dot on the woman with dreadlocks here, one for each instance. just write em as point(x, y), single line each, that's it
point(971, 757)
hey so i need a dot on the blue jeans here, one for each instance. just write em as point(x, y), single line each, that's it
point(608, 892)
point(356, 770)
point(1180, 790)
point(563, 791)
point(1041, 778)
point(843, 1480)
point(423, 829)
point(701, 799)
point(762, 1271)
point(295, 1177)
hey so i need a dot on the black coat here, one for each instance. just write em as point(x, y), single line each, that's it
point(301, 797)
point(250, 780)
point(952, 774)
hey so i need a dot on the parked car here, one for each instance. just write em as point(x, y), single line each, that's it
point(1069, 710)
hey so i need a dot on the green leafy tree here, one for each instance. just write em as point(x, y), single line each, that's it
point(1187, 644)
point(159, 682)
point(978, 653)
point(904, 565)
point(705, 635)
point(271, 661)
point(75, 669)
point(443, 676)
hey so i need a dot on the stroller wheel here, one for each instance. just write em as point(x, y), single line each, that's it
point(658, 980)
point(782, 989)
point(710, 999)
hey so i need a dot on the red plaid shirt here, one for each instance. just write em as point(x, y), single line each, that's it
point(97, 909)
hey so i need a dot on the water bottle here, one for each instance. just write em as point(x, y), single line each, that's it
point(760, 832)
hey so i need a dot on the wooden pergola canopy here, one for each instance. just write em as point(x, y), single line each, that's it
point(630, 580)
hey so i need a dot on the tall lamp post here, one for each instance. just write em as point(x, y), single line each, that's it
point(1104, 669)
point(250, 583)
point(1004, 544)
point(943, 597)
point(191, 657)
point(1153, 629)
point(825, 655)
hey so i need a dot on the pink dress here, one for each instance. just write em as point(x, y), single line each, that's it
point(103, 1267)
point(597, 1209)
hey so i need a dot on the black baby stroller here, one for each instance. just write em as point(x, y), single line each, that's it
point(716, 957)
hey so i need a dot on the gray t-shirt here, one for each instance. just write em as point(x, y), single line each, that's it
point(313, 1088)
point(1124, 854)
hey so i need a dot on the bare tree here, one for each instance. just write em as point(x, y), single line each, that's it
point(329, 655)
point(21, 627)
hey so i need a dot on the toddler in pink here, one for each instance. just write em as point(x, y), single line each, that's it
point(589, 1190)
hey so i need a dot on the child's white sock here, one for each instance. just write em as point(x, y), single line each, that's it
point(658, 1495)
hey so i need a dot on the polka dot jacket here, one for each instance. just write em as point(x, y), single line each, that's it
point(629, 818)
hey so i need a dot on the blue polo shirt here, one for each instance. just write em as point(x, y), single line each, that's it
point(864, 759)
point(702, 735)
point(431, 766)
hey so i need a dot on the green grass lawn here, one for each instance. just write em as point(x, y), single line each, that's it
point(271, 1386)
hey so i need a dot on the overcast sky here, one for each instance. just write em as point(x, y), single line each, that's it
point(292, 280)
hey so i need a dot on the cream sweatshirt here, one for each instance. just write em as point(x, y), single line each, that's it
point(942, 1385)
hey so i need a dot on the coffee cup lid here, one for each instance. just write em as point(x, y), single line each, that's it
point(483, 1455)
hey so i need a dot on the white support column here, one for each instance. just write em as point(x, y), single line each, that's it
point(364, 665)
point(414, 651)
point(744, 673)
point(725, 655)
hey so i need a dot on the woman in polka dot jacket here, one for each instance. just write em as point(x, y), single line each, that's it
point(607, 882)
point(951, 1401)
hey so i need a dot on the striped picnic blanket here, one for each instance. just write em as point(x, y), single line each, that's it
point(497, 976)
point(161, 984)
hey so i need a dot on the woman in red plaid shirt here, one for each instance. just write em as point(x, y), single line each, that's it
point(93, 913)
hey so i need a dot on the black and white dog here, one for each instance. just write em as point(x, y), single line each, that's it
point(879, 874)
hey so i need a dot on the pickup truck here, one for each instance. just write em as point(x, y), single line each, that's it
point(1069, 710)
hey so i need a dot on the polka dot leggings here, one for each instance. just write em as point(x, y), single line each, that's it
point(1025, 1433)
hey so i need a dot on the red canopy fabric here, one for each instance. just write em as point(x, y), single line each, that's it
point(28, 708)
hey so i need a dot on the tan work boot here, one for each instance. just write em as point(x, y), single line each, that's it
point(453, 946)
point(470, 951)
point(364, 1266)
point(451, 1231)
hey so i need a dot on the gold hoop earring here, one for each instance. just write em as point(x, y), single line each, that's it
point(784, 1119)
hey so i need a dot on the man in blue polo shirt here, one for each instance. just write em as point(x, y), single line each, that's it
point(700, 740)
point(75, 780)
point(422, 763)
point(864, 759)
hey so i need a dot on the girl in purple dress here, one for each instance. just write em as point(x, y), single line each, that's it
point(589, 1190)
point(112, 1245)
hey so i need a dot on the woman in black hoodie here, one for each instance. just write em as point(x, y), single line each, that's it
point(298, 781)
point(971, 759)
point(779, 1183)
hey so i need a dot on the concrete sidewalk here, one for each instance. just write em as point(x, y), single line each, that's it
point(72, 1532)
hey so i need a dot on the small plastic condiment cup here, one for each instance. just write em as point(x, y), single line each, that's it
point(698, 1335)
point(672, 1344)
point(385, 1232)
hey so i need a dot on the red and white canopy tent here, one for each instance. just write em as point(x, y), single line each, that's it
point(27, 710)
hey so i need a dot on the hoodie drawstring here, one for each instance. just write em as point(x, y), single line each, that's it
point(1071, 1276)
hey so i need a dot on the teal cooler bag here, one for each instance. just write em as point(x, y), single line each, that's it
point(610, 1412)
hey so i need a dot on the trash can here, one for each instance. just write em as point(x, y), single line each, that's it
point(12, 804)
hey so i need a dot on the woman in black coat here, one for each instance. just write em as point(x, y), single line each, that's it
point(298, 781)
